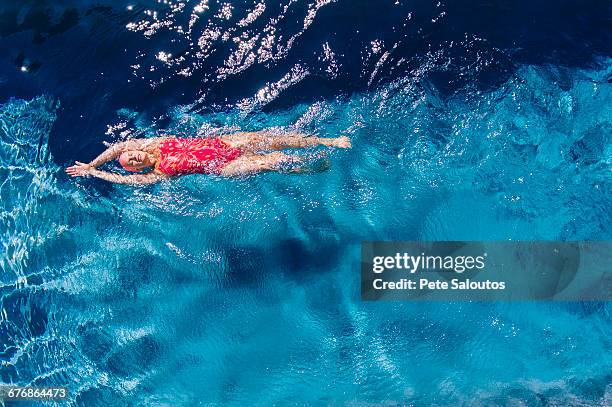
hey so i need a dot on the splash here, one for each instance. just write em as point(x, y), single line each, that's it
point(26, 176)
point(221, 26)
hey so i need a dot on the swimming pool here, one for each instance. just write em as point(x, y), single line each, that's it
point(207, 291)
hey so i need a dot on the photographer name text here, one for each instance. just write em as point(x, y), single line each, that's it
point(412, 264)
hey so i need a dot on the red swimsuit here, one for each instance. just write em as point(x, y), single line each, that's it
point(195, 155)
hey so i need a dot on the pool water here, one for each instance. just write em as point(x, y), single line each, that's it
point(210, 291)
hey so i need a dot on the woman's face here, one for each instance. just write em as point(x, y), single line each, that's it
point(134, 160)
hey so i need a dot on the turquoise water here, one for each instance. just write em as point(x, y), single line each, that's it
point(205, 291)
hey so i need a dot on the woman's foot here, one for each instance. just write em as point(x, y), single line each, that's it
point(311, 163)
point(343, 142)
point(339, 142)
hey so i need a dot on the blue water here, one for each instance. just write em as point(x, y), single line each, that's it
point(470, 120)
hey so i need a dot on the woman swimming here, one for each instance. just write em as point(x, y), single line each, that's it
point(235, 154)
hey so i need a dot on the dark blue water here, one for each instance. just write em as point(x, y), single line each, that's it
point(470, 120)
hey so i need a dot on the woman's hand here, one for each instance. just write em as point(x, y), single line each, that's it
point(80, 169)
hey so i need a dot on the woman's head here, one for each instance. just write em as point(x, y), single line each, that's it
point(134, 160)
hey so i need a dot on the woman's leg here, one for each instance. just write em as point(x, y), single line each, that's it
point(251, 164)
point(264, 140)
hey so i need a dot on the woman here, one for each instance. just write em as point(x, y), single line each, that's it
point(235, 154)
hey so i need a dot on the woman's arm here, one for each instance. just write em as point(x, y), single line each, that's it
point(116, 149)
point(136, 179)
point(82, 170)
